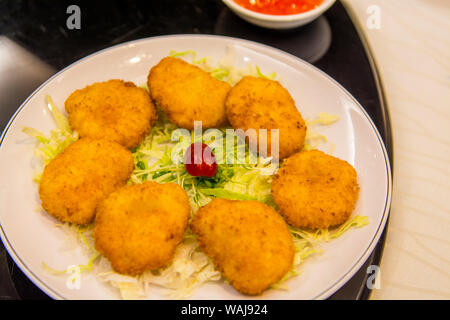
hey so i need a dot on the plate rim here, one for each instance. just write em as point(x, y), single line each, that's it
point(326, 292)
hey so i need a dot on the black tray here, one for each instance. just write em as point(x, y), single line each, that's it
point(331, 43)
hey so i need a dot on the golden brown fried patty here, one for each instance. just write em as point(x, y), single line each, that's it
point(139, 226)
point(258, 103)
point(248, 242)
point(76, 180)
point(113, 110)
point(187, 94)
point(315, 190)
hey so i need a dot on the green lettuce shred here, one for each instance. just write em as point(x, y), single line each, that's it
point(313, 137)
point(226, 69)
point(227, 194)
point(49, 146)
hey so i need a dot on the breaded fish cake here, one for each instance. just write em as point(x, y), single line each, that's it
point(139, 226)
point(248, 242)
point(258, 103)
point(76, 180)
point(315, 190)
point(113, 110)
point(186, 93)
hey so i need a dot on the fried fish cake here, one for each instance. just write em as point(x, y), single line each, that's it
point(258, 103)
point(139, 226)
point(76, 180)
point(113, 110)
point(187, 94)
point(315, 190)
point(248, 241)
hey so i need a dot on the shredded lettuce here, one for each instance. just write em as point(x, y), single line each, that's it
point(226, 69)
point(189, 269)
point(154, 162)
point(77, 235)
point(324, 118)
point(61, 121)
point(313, 137)
point(50, 146)
point(307, 242)
point(223, 193)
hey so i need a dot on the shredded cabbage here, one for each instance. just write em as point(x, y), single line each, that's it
point(307, 242)
point(233, 181)
point(226, 69)
point(50, 146)
point(77, 235)
point(153, 160)
point(313, 137)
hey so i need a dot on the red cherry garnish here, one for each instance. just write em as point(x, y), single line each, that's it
point(200, 161)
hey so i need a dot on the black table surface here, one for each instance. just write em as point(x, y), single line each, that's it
point(37, 30)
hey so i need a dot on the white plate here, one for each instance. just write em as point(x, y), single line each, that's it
point(31, 238)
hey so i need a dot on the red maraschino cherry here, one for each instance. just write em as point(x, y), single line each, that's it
point(200, 161)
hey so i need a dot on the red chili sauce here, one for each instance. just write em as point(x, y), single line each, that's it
point(279, 7)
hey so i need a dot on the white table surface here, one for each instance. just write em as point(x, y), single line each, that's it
point(412, 51)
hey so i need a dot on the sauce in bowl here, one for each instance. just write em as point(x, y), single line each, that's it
point(279, 7)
